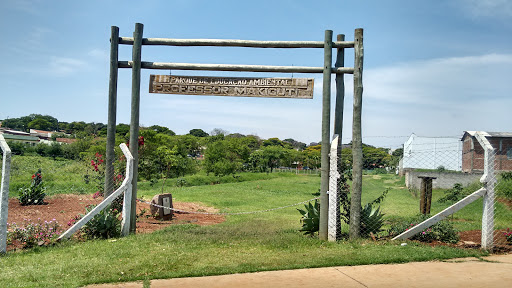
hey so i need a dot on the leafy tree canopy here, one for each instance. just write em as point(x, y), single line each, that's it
point(198, 133)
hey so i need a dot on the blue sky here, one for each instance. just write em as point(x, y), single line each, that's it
point(435, 68)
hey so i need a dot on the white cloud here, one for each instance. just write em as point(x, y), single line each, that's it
point(27, 6)
point(98, 54)
point(442, 81)
point(61, 66)
point(437, 97)
point(488, 8)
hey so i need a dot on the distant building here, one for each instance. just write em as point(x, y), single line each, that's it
point(14, 132)
point(21, 138)
point(432, 153)
point(47, 135)
point(473, 153)
point(65, 140)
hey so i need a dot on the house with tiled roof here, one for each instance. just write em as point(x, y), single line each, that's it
point(47, 135)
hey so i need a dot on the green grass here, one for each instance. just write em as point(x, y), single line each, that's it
point(59, 176)
point(245, 243)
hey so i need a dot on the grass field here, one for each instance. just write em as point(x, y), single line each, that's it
point(246, 243)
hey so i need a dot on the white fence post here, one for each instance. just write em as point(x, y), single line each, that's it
point(334, 224)
point(123, 189)
point(489, 181)
point(127, 201)
point(4, 193)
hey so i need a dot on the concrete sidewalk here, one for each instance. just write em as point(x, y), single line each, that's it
point(493, 271)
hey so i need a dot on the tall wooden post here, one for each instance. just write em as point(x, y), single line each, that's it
point(340, 92)
point(112, 107)
point(326, 118)
point(357, 151)
point(338, 129)
point(134, 123)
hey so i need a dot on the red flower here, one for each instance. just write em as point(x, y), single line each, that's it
point(33, 176)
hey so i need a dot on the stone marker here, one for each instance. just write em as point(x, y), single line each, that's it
point(161, 213)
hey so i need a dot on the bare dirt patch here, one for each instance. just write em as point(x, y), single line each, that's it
point(63, 208)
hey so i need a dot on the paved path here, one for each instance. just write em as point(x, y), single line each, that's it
point(493, 271)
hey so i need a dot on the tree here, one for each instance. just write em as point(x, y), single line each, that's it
point(162, 129)
point(268, 157)
point(54, 150)
point(273, 142)
point(399, 152)
point(221, 158)
point(375, 157)
point(312, 158)
point(295, 144)
point(40, 124)
point(198, 133)
point(123, 130)
point(219, 131)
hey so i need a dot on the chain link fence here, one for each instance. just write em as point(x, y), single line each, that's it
point(55, 193)
point(438, 178)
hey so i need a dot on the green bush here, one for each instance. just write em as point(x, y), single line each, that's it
point(33, 234)
point(442, 231)
point(454, 194)
point(504, 186)
point(105, 224)
point(310, 218)
point(371, 220)
point(34, 194)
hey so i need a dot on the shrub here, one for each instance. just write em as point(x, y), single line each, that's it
point(33, 234)
point(504, 187)
point(508, 235)
point(454, 194)
point(310, 218)
point(442, 231)
point(105, 224)
point(33, 195)
point(371, 220)
point(180, 182)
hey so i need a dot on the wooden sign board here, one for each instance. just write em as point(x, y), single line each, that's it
point(232, 86)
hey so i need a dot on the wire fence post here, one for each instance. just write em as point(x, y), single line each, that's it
point(489, 181)
point(4, 190)
point(357, 152)
point(334, 196)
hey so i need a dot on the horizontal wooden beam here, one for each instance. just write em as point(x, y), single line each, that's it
point(236, 43)
point(238, 68)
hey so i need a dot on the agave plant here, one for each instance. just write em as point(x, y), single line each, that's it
point(371, 220)
point(310, 218)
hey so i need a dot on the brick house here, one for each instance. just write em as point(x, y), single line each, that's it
point(473, 153)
